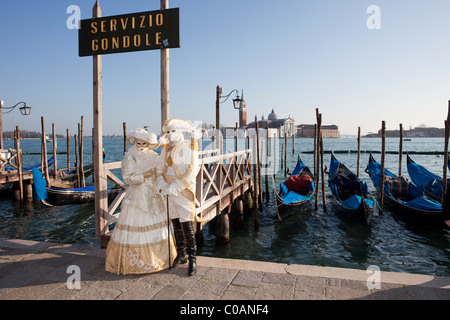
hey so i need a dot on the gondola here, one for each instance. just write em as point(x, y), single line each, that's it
point(350, 194)
point(290, 202)
point(413, 204)
point(432, 183)
point(57, 196)
point(69, 179)
point(63, 196)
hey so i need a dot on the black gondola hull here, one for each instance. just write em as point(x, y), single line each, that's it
point(64, 197)
point(363, 213)
point(285, 210)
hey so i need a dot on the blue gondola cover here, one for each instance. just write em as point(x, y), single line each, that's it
point(39, 185)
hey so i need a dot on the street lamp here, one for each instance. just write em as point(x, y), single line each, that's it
point(24, 110)
point(236, 104)
point(236, 101)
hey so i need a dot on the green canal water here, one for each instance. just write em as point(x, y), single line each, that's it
point(323, 238)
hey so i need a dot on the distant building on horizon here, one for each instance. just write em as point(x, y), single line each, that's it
point(418, 132)
point(285, 127)
point(307, 131)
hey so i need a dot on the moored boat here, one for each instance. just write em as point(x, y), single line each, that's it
point(58, 196)
point(63, 196)
point(432, 183)
point(411, 201)
point(291, 202)
point(350, 194)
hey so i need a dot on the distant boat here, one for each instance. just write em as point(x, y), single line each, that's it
point(290, 202)
point(349, 192)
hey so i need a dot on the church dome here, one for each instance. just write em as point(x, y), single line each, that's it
point(272, 116)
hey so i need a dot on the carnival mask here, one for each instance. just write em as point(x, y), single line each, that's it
point(142, 146)
point(174, 136)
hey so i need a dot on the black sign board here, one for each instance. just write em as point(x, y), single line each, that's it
point(149, 30)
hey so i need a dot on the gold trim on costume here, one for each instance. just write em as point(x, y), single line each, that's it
point(140, 229)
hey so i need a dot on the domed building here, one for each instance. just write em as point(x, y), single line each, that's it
point(272, 116)
point(284, 126)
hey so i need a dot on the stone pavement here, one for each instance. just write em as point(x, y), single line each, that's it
point(32, 270)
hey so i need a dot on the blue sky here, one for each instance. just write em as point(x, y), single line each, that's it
point(289, 55)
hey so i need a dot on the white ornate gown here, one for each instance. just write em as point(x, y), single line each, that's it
point(139, 243)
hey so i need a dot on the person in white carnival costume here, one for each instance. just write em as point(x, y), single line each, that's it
point(176, 179)
point(140, 241)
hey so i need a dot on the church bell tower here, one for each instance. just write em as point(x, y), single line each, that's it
point(242, 112)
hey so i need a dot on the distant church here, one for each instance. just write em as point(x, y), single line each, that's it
point(285, 127)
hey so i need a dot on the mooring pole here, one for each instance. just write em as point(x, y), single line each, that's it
point(444, 176)
point(359, 152)
point(383, 153)
point(400, 150)
point(101, 201)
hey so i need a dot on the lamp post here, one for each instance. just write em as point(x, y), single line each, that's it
point(236, 104)
point(24, 110)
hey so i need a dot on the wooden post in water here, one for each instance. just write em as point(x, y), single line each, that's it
point(81, 147)
point(383, 152)
point(267, 165)
point(124, 138)
point(322, 170)
point(55, 162)
point(358, 158)
point(317, 160)
point(44, 151)
point(255, 185)
point(447, 132)
point(400, 150)
point(315, 151)
point(218, 95)
point(285, 154)
point(101, 200)
point(68, 149)
point(274, 155)
point(19, 163)
point(258, 165)
point(293, 143)
point(77, 161)
point(444, 175)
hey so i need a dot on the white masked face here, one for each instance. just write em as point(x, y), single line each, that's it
point(174, 136)
point(142, 146)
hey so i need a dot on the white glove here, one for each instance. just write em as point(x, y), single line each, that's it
point(160, 185)
point(169, 190)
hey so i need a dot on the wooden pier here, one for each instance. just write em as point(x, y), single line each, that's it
point(22, 178)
